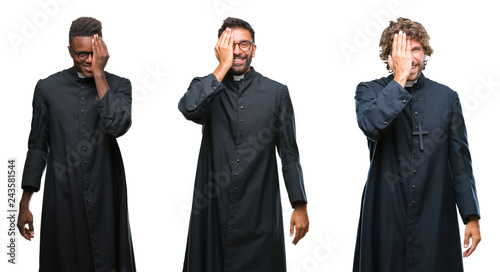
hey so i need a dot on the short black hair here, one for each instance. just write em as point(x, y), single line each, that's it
point(236, 23)
point(85, 27)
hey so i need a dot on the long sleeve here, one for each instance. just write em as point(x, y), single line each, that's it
point(375, 112)
point(289, 152)
point(461, 164)
point(38, 149)
point(196, 102)
point(115, 107)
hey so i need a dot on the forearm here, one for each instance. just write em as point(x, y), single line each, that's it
point(101, 84)
point(196, 102)
point(221, 71)
point(25, 199)
point(376, 112)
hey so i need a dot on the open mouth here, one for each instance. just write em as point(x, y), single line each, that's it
point(87, 68)
point(238, 60)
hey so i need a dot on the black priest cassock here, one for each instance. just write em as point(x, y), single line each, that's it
point(84, 224)
point(236, 219)
point(420, 170)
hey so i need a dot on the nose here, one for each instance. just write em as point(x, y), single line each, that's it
point(236, 49)
point(89, 58)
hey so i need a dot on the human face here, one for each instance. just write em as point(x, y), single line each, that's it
point(417, 60)
point(81, 43)
point(241, 59)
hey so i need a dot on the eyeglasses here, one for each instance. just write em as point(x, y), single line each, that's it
point(83, 55)
point(243, 45)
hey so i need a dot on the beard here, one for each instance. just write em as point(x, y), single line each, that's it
point(241, 69)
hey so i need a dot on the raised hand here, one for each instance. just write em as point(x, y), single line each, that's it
point(224, 53)
point(400, 58)
point(100, 55)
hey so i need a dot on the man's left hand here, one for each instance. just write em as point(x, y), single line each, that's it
point(100, 55)
point(299, 222)
point(471, 232)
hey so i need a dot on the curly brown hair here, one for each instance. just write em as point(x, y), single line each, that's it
point(414, 30)
point(85, 27)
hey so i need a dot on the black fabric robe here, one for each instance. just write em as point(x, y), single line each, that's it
point(84, 224)
point(408, 218)
point(236, 219)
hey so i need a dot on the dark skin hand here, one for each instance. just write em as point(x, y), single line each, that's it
point(25, 217)
point(300, 221)
point(99, 60)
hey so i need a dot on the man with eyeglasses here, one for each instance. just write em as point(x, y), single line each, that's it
point(236, 219)
point(77, 115)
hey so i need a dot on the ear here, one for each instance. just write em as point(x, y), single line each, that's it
point(253, 50)
point(69, 51)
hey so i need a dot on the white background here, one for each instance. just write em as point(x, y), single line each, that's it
point(162, 45)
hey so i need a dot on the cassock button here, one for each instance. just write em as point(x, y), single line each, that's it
point(409, 245)
point(415, 157)
point(241, 120)
point(203, 96)
point(84, 149)
point(411, 216)
point(395, 113)
point(410, 261)
point(230, 228)
point(404, 101)
point(416, 142)
point(232, 201)
point(231, 215)
point(414, 171)
point(83, 87)
point(416, 99)
point(88, 200)
point(194, 106)
point(241, 107)
point(83, 124)
point(84, 162)
point(81, 111)
point(385, 123)
point(214, 88)
point(416, 113)
point(242, 82)
point(83, 98)
point(95, 239)
point(413, 186)
point(86, 175)
point(241, 95)
point(237, 160)
point(235, 174)
point(413, 202)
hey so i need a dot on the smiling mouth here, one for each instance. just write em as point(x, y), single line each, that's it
point(87, 68)
point(238, 60)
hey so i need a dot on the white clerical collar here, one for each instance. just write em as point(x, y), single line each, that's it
point(410, 83)
point(238, 78)
point(80, 75)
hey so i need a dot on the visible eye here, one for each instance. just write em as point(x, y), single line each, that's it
point(245, 44)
